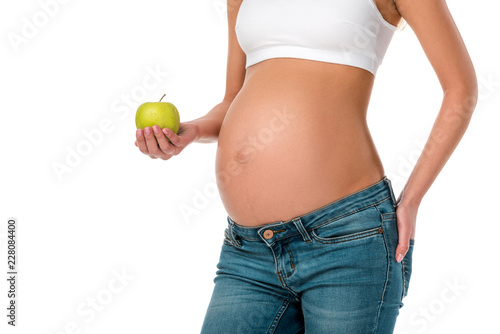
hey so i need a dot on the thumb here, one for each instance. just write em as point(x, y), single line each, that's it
point(403, 240)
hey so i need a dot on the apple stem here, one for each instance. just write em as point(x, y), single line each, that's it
point(162, 97)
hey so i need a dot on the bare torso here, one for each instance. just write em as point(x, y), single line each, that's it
point(295, 138)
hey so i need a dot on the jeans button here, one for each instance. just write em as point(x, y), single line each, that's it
point(268, 234)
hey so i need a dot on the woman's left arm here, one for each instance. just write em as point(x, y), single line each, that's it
point(443, 45)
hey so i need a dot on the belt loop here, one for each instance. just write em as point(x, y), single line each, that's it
point(302, 230)
point(231, 233)
point(389, 185)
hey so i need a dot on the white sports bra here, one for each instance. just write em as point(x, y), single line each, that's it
point(350, 32)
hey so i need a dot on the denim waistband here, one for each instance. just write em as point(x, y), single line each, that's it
point(371, 195)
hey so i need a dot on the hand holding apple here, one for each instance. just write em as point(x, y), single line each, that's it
point(153, 141)
point(159, 131)
point(163, 114)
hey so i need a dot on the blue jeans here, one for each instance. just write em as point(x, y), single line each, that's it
point(331, 270)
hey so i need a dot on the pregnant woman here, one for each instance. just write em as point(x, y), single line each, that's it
point(316, 240)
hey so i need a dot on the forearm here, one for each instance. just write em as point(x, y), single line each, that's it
point(209, 125)
point(447, 131)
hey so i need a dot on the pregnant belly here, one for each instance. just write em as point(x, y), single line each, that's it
point(286, 151)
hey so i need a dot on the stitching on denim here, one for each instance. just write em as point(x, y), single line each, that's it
point(282, 281)
point(386, 216)
point(282, 238)
point(300, 227)
point(403, 264)
point(289, 251)
point(404, 279)
point(275, 261)
point(286, 287)
point(388, 198)
point(227, 240)
point(232, 236)
point(258, 227)
point(278, 316)
point(393, 196)
point(348, 214)
point(386, 281)
point(349, 237)
point(249, 239)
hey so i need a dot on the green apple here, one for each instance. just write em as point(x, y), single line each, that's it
point(163, 114)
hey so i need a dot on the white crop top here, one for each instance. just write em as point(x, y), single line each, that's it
point(350, 32)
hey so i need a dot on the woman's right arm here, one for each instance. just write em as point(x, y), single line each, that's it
point(206, 128)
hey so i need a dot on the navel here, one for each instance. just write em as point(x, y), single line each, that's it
point(244, 154)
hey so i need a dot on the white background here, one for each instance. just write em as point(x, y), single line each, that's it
point(117, 210)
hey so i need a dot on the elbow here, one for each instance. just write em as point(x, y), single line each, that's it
point(459, 102)
point(463, 88)
point(464, 95)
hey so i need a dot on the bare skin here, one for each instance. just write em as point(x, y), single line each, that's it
point(292, 133)
point(294, 139)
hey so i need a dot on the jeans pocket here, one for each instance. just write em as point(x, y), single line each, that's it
point(406, 265)
point(353, 226)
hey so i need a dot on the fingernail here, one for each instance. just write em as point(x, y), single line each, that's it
point(147, 130)
point(155, 129)
point(165, 131)
point(399, 257)
point(138, 132)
